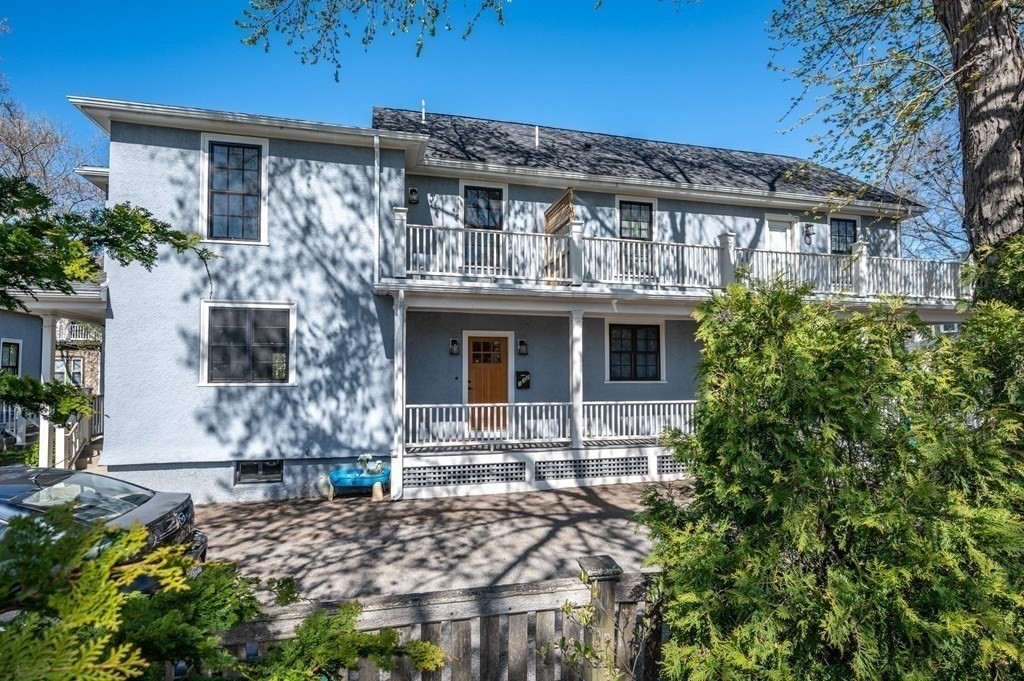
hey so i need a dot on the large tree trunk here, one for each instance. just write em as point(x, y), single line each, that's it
point(986, 48)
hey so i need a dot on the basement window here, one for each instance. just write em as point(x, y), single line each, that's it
point(247, 472)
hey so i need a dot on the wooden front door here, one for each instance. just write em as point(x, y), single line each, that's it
point(487, 382)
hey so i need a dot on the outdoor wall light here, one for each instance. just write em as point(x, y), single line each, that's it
point(523, 348)
point(414, 196)
point(808, 232)
point(453, 346)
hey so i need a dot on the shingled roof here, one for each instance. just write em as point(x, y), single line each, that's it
point(462, 138)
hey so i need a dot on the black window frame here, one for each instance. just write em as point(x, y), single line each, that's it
point(650, 223)
point(634, 352)
point(260, 477)
point(251, 344)
point(17, 366)
point(489, 191)
point(213, 193)
point(847, 237)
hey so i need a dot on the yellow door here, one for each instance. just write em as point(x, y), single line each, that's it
point(488, 382)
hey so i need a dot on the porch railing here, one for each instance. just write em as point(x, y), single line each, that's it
point(444, 251)
point(826, 272)
point(574, 259)
point(96, 420)
point(635, 420)
point(13, 421)
point(484, 424)
point(625, 261)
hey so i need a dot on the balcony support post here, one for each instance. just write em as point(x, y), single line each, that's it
point(860, 269)
point(401, 235)
point(576, 377)
point(576, 252)
point(727, 255)
point(48, 350)
point(398, 413)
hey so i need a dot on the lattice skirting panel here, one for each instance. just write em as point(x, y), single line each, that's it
point(667, 465)
point(591, 468)
point(465, 474)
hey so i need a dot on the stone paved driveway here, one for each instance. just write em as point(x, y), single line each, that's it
point(349, 547)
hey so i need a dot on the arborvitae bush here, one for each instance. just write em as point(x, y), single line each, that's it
point(856, 510)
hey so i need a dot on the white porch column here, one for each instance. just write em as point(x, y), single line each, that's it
point(576, 252)
point(727, 258)
point(48, 350)
point(399, 265)
point(576, 376)
point(860, 268)
point(398, 445)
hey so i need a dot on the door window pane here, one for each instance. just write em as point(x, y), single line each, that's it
point(844, 235)
point(636, 220)
point(484, 208)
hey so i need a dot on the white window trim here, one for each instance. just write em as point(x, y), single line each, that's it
point(608, 321)
point(204, 185)
point(81, 370)
point(511, 336)
point(204, 335)
point(844, 216)
point(463, 183)
point(653, 200)
point(794, 236)
point(15, 341)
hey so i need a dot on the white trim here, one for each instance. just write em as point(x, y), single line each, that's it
point(204, 334)
point(844, 216)
point(608, 321)
point(463, 183)
point(204, 185)
point(653, 200)
point(793, 220)
point(511, 385)
point(18, 342)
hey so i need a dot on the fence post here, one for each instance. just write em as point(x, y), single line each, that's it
point(727, 257)
point(401, 234)
point(576, 251)
point(860, 268)
point(602, 573)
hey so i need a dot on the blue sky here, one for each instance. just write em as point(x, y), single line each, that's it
point(633, 67)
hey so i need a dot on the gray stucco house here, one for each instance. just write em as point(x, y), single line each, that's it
point(489, 306)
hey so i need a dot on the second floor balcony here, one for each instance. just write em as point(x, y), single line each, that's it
point(463, 257)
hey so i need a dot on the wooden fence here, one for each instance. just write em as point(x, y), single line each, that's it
point(514, 632)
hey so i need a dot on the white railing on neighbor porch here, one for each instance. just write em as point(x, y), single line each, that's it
point(635, 420)
point(96, 420)
point(449, 251)
point(485, 424)
point(826, 272)
point(13, 421)
point(627, 261)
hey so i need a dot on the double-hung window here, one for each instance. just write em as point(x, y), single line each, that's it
point(844, 235)
point(69, 371)
point(10, 357)
point(249, 344)
point(634, 352)
point(233, 196)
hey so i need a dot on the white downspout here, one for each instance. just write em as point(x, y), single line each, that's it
point(376, 212)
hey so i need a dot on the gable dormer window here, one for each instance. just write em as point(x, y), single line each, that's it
point(234, 189)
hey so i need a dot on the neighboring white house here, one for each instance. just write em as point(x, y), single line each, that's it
point(490, 306)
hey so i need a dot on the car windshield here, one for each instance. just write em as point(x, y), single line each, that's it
point(96, 497)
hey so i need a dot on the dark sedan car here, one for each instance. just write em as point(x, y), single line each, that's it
point(169, 517)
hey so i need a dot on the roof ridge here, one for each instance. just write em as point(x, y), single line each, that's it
point(603, 134)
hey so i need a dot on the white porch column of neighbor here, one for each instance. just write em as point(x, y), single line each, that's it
point(860, 268)
point(576, 376)
point(47, 357)
point(398, 445)
point(727, 255)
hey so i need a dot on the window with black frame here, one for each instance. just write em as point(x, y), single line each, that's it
point(636, 220)
point(235, 191)
point(844, 235)
point(10, 358)
point(259, 471)
point(634, 352)
point(249, 345)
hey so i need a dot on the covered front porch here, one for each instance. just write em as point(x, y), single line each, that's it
point(506, 401)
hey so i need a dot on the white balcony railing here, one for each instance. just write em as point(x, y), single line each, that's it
point(626, 261)
point(78, 332)
point(635, 420)
point(485, 424)
point(13, 422)
point(444, 251)
point(571, 259)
